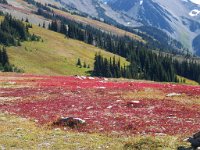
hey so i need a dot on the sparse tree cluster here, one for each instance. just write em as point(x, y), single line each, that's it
point(84, 65)
point(58, 26)
point(111, 67)
point(13, 31)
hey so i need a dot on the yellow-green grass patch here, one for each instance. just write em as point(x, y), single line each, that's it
point(187, 81)
point(54, 54)
point(21, 133)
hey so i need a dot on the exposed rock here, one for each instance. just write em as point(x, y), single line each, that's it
point(109, 107)
point(69, 122)
point(195, 141)
point(173, 94)
point(89, 107)
point(135, 104)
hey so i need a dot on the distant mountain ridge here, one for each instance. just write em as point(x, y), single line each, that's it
point(178, 18)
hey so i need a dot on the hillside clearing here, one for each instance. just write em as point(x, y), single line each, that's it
point(56, 55)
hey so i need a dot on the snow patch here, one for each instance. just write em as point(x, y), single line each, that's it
point(195, 1)
point(141, 2)
point(194, 13)
point(135, 102)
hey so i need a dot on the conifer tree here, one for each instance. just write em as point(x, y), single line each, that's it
point(79, 63)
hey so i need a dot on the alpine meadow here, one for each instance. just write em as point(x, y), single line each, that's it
point(100, 74)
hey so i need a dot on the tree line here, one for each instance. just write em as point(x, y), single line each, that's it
point(104, 67)
point(147, 65)
point(144, 64)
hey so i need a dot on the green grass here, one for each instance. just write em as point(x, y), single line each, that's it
point(20, 133)
point(56, 55)
point(187, 81)
point(1, 18)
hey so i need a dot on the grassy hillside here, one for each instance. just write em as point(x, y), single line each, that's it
point(54, 55)
point(1, 18)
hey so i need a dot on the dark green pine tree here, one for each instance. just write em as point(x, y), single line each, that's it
point(106, 68)
point(44, 26)
point(4, 57)
point(84, 65)
point(27, 20)
point(63, 29)
point(79, 62)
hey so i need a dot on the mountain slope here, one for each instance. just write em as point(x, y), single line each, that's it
point(56, 55)
point(178, 18)
point(25, 10)
point(174, 17)
point(21, 9)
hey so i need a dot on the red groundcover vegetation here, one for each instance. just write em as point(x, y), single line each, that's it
point(102, 105)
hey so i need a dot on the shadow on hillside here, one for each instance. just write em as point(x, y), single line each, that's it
point(185, 148)
point(90, 72)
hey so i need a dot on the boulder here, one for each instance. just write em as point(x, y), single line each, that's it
point(173, 94)
point(134, 104)
point(69, 122)
point(195, 140)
